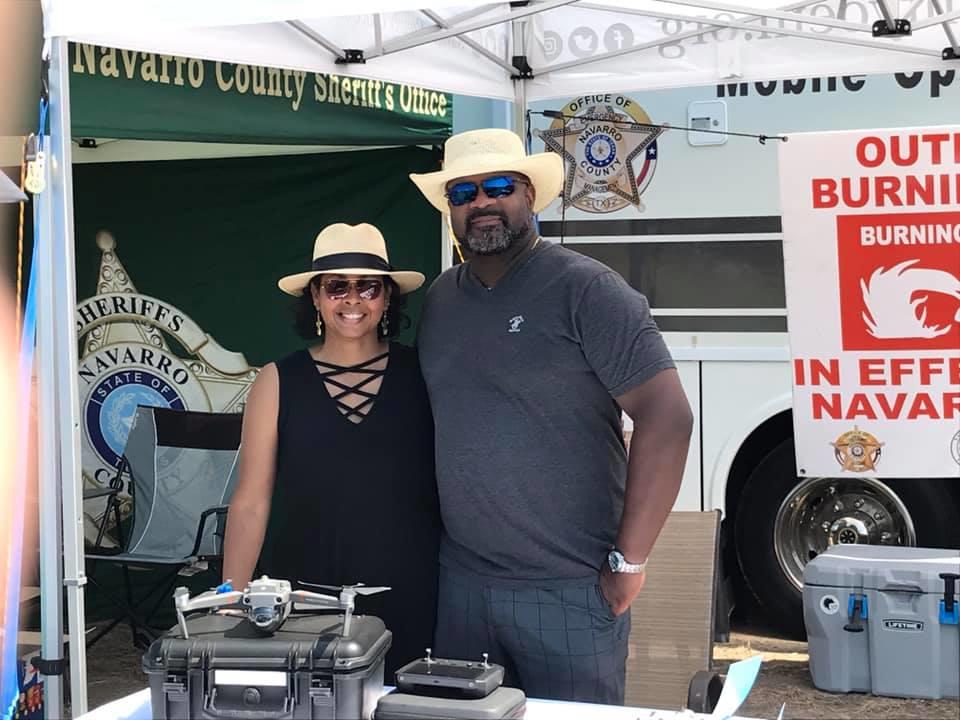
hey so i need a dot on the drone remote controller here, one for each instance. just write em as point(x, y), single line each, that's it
point(470, 679)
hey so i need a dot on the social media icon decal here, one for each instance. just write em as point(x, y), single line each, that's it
point(617, 37)
point(583, 41)
point(552, 45)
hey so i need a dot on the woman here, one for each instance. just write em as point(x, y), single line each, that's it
point(336, 480)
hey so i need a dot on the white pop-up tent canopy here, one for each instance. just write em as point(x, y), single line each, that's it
point(519, 51)
point(571, 46)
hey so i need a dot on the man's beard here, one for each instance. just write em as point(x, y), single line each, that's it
point(492, 239)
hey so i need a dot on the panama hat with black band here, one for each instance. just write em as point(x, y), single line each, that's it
point(492, 150)
point(342, 249)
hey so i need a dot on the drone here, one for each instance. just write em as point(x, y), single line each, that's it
point(267, 602)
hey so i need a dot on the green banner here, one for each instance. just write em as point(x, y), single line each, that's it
point(211, 237)
point(148, 96)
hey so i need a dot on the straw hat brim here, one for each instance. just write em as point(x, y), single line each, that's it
point(406, 280)
point(545, 171)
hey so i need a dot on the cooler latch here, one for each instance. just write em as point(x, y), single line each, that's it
point(949, 606)
point(856, 612)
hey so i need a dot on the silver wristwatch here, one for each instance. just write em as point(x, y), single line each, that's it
point(618, 563)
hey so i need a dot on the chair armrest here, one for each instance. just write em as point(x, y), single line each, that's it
point(215, 510)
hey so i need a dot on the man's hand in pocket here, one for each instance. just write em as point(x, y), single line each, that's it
point(620, 589)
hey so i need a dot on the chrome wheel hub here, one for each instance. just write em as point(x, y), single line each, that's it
point(820, 512)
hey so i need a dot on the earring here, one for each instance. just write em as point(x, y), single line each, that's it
point(319, 324)
point(384, 324)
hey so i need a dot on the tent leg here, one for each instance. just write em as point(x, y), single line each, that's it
point(519, 29)
point(68, 396)
point(51, 589)
point(446, 244)
point(520, 109)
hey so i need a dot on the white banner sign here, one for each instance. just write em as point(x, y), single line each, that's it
point(871, 245)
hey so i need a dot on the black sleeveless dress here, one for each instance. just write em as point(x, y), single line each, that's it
point(357, 502)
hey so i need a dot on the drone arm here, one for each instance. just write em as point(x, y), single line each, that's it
point(208, 600)
point(311, 598)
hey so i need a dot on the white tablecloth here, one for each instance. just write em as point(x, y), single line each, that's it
point(137, 707)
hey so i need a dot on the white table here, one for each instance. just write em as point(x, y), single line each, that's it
point(137, 707)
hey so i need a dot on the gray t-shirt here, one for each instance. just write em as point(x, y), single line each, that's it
point(522, 378)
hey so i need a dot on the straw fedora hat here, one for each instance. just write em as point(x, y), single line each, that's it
point(491, 150)
point(350, 250)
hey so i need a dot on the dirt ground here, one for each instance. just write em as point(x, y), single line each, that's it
point(785, 678)
point(113, 670)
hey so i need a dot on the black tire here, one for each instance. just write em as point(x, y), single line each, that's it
point(932, 503)
point(704, 691)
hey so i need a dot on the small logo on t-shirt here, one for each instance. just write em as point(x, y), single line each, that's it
point(515, 323)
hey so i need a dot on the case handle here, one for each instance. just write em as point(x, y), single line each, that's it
point(902, 588)
point(254, 698)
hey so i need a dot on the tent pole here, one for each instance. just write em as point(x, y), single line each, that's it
point(453, 31)
point(443, 24)
point(940, 19)
point(770, 14)
point(65, 343)
point(740, 25)
point(655, 43)
point(519, 119)
point(887, 17)
point(48, 499)
point(518, 29)
point(319, 39)
point(446, 244)
point(951, 38)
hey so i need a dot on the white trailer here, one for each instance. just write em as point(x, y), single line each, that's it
point(704, 245)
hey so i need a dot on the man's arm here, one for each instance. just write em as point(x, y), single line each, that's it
point(662, 424)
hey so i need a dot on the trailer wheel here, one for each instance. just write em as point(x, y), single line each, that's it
point(782, 522)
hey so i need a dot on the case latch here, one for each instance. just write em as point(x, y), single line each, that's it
point(175, 684)
point(321, 692)
point(856, 612)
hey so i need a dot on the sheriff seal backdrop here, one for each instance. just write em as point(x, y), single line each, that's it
point(136, 349)
point(609, 147)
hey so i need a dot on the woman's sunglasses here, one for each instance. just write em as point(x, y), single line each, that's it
point(339, 288)
point(493, 187)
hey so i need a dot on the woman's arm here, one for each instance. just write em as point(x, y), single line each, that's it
point(250, 504)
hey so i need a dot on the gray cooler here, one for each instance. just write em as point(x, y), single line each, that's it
point(884, 620)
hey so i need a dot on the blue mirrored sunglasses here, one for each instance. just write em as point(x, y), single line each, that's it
point(493, 187)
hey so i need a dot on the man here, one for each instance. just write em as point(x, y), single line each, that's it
point(529, 352)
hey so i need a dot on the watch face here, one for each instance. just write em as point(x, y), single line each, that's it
point(616, 560)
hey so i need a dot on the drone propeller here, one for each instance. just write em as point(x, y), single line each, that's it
point(367, 590)
point(345, 596)
point(335, 588)
point(359, 588)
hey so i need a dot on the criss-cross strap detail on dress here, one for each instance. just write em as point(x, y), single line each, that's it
point(342, 393)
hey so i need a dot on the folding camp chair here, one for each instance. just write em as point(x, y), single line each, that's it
point(182, 467)
point(672, 619)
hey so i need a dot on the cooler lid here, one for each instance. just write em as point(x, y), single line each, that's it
point(882, 567)
point(303, 642)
